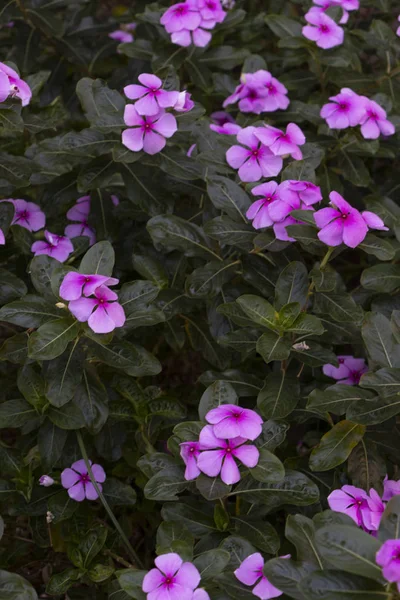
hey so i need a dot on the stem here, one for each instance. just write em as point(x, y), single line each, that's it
point(322, 267)
point(134, 558)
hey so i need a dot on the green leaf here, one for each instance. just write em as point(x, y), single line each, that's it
point(61, 506)
point(52, 338)
point(151, 269)
point(32, 386)
point(11, 287)
point(354, 169)
point(211, 563)
point(292, 285)
point(218, 393)
point(324, 281)
point(99, 259)
point(51, 441)
point(6, 216)
point(269, 468)
point(258, 310)
point(260, 533)
point(272, 346)
point(279, 396)
point(91, 545)
point(166, 484)
point(335, 399)
point(15, 349)
point(313, 354)
point(63, 375)
point(273, 435)
point(131, 581)
point(61, 582)
point(386, 382)
point(15, 587)
point(389, 527)
point(305, 325)
point(41, 269)
point(197, 518)
point(230, 233)
point(137, 294)
point(381, 278)
point(67, 417)
point(336, 445)
point(375, 411)
point(103, 107)
point(283, 26)
point(232, 586)
point(229, 197)
point(349, 549)
point(300, 530)
point(171, 534)
point(287, 574)
point(31, 312)
point(99, 573)
point(381, 248)
point(129, 358)
point(118, 493)
point(16, 170)
point(15, 413)
point(212, 488)
point(333, 585)
point(92, 399)
point(173, 233)
point(340, 307)
point(208, 281)
point(379, 340)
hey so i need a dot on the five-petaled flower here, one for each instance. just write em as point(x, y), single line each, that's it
point(348, 372)
point(27, 214)
point(172, 579)
point(344, 224)
point(232, 421)
point(281, 143)
point(250, 572)
point(75, 284)
point(259, 210)
point(11, 85)
point(77, 481)
point(56, 246)
point(374, 122)
point(388, 557)
point(322, 29)
point(218, 455)
point(147, 133)
point(255, 160)
point(150, 97)
point(345, 110)
point(103, 313)
point(365, 510)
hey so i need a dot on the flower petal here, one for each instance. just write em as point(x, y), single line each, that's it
point(210, 462)
point(230, 473)
point(169, 563)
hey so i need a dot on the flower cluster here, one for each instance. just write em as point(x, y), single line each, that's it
point(278, 200)
point(264, 149)
point(11, 85)
point(190, 22)
point(173, 579)
point(220, 442)
point(321, 28)
point(251, 572)
point(80, 213)
point(348, 109)
point(77, 481)
point(348, 372)
point(149, 123)
point(102, 312)
point(259, 92)
point(365, 509)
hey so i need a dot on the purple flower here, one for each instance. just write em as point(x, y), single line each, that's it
point(322, 29)
point(199, 37)
point(345, 224)
point(56, 246)
point(181, 16)
point(231, 421)
point(80, 212)
point(259, 210)
point(173, 579)
point(200, 594)
point(121, 36)
point(2, 238)
point(102, 313)
point(224, 123)
point(211, 10)
point(46, 481)
point(280, 228)
point(390, 488)
point(150, 97)
point(346, 5)
point(347, 109)
point(303, 191)
point(256, 160)
point(27, 215)
point(114, 199)
point(220, 454)
point(376, 510)
point(75, 284)
point(352, 501)
point(349, 370)
point(388, 557)
point(147, 133)
point(259, 92)
point(77, 481)
point(251, 572)
point(281, 143)
point(374, 121)
point(190, 452)
point(220, 117)
point(184, 102)
point(12, 85)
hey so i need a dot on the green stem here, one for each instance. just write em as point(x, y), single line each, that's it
point(133, 556)
point(326, 258)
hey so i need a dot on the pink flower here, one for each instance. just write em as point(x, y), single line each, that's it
point(150, 98)
point(349, 370)
point(374, 121)
point(147, 133)
point(376, 508)
point(102, 313)
point(121, 36)
point(75, 284)
point(351, 501)
point(220, 454)
point(322, 29)
point(231, 421)
point(56, 246)
point(173, 579)
point(304, 192)
point(77, 481)
point(256, 160)
point(251, 571)
point(224, 123)
point(2, 238)
point(12, 85)
point(220, 117)
point(114, 199)
point(280, 227)
point(211, 10)
point(181, 16)
point(190, 451)
point(281, 143)
point(259, 210)
point(199, 37)
point(27, 215)
point(80, 212)
point(259, 92)
point(346, 5)
point(347, 109)
point(388, 557)
point(345, 224)
point(46, 481)
point(184, 102)
point(200, 594)
point(390, 488)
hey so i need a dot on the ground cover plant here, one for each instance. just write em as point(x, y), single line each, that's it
point(199, 300)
